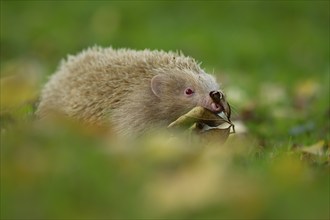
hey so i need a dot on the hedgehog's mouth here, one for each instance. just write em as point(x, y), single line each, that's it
point(203, 120)
point(212, 121)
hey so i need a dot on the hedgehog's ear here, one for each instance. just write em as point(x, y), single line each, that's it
point(156, 84)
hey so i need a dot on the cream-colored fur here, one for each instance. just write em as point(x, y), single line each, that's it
point(105, 86)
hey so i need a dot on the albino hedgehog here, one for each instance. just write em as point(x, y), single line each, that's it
point(132, 91)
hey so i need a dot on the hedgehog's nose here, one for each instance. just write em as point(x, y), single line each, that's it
point(219, 103)
point(216, 96)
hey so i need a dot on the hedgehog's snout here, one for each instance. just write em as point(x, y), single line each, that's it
point(219, 102)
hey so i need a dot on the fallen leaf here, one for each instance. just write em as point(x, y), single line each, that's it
point(198, 114)
point(271, 94)
point(304, 92)
point(206, 124)
point(315, 149)
point(216, 134)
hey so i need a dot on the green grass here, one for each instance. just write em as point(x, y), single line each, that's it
point(272, 59)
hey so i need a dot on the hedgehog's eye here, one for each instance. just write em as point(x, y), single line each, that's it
point(189, 91)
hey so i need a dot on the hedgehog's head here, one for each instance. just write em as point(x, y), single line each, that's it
point(182, 90)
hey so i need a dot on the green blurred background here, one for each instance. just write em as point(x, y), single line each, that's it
point(272, 39)
point(272, 58)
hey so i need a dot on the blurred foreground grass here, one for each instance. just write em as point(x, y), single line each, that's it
point(273, 61)
point(59, 172)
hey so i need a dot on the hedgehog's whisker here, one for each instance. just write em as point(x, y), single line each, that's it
point(234, 110)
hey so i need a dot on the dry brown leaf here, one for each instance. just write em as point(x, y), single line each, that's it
point(304, 92)
point(197, 114)
point(216, 134)
point(315, 149)
point(205, 123)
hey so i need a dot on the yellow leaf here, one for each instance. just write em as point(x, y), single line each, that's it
point(205, 123)
point(195, 115)
point(315, 149)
